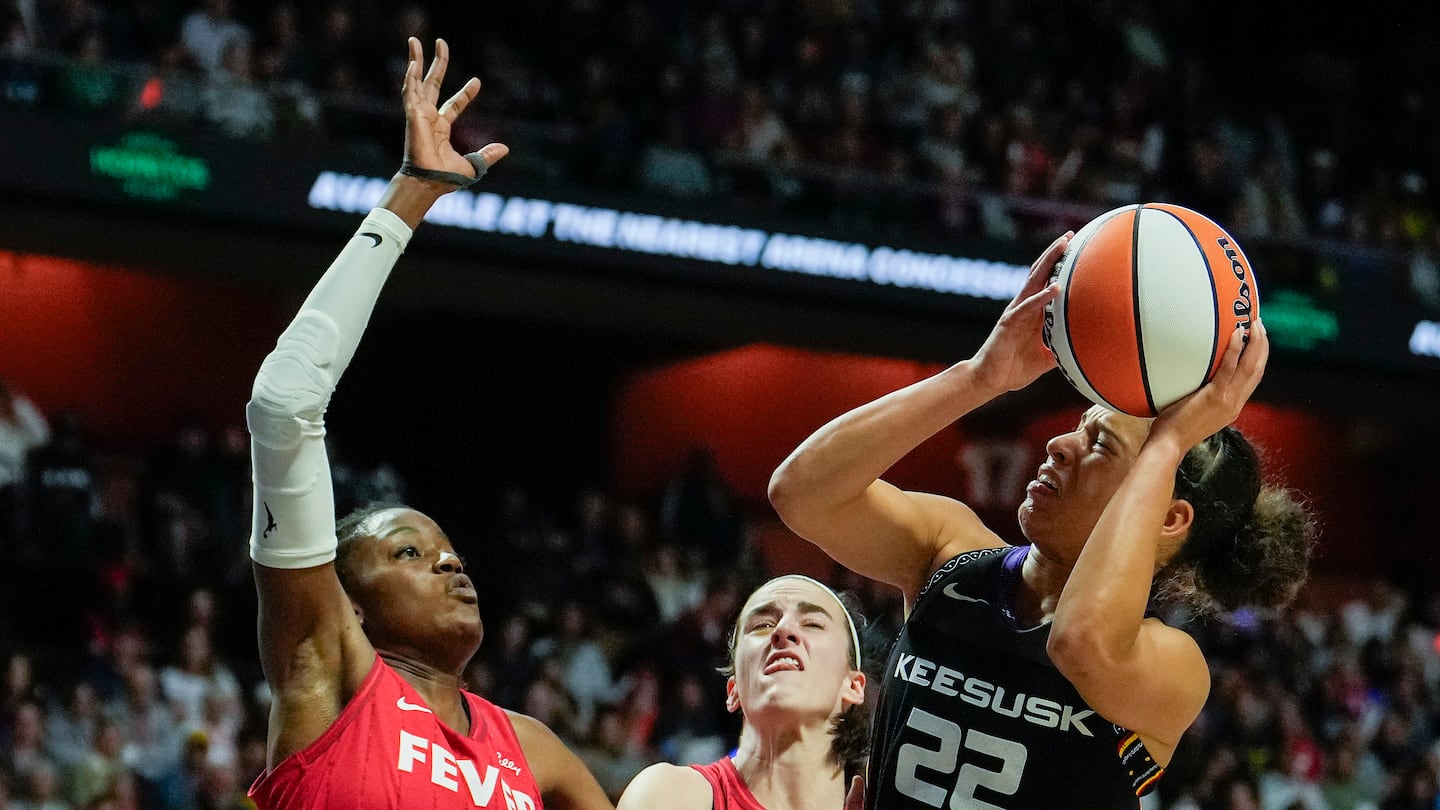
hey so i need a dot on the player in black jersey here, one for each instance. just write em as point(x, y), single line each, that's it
point(1034, 676)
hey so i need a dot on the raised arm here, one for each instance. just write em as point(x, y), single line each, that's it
point(312, 649)
point(1134, 671)
point(829, 490)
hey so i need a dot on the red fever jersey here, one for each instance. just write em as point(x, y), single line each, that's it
point(727, 786)
point(386, 744)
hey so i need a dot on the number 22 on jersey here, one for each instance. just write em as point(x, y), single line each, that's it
point(944, 759)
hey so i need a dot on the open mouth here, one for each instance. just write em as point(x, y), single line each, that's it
point(1044, 482)
point(782, 662)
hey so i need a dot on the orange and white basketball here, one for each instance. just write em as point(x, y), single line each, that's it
point(1149, 297)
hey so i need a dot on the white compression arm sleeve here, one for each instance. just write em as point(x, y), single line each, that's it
point(294, 511)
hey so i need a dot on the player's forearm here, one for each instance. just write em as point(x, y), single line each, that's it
point(294, 512)
point(840, 460)
point(1103, 604)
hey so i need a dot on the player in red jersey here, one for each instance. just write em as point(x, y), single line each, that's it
point(795, 677)
point(363, 647)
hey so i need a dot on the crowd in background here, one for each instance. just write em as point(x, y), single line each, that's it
point(129, 673)
point(964, 117)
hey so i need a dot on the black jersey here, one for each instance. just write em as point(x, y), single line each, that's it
point(973, 714)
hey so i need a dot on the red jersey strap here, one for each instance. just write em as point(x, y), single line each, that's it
point(728, 788)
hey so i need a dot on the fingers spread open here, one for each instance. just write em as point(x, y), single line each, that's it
point(460, 100)
point(437, 66)
point(412, 68)
point(492, 152)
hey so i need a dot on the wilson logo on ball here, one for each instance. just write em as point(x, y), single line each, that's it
point(1242, 306)
point(1149, 296)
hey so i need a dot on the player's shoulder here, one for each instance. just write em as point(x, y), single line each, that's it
point(1178, 637)
point(665, 785)
point(964, 560)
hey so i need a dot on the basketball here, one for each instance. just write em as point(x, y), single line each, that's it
point(1149, 297)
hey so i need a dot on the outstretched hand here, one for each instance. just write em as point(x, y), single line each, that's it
point(427, 123)
point(1014, 355)
point(1219, 402)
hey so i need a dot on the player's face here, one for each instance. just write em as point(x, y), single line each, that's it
point(411, 584)
point(1082, 471)
point(792, 656)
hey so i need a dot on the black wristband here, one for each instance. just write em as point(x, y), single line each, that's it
point(453, 178)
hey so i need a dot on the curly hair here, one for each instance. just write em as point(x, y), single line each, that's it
point(1249, 544)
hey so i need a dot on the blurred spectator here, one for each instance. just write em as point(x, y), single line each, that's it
point(547, 700)
point(1424, 271)
point(101, 766)
point(1343, 788)
point(221, 789)
point(1418, 787)
point(22, 82)
point(1322, 196)
point(671, 166)
point(179, 495)
point(698, 512)
point(208, 32)
point(63, 489)
point(611, 755)
point(62, 492)
point(234, 102)
point(197, 676)
point(760, 132)
point(688, 730)
point(71, 729)
point(586, 674)
point(89, 84)
point(283, 55)
point(1376, 616)
point(22, 429)
point(509, 656)
point(700, 638)
point(1295, 780)
point(676, 587)
point(152, 732)
point(592, 531)
point(1267, 205)
point(25, 749)
point(125, 795)
point(941, 149)
point(180, 787)
point(41, 789)
point(337, 44)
